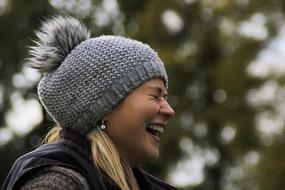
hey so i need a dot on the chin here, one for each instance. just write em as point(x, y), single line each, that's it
point(153, 155)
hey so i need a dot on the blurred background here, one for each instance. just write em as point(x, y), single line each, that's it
point(225, 60)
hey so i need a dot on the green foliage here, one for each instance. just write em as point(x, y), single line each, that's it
point(207, 58)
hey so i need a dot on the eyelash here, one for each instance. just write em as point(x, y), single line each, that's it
point(158, 97)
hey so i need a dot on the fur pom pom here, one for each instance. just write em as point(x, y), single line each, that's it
point(56, 38)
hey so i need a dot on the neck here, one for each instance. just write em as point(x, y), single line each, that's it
point(131, 179)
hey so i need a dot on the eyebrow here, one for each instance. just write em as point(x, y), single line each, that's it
point(159, 90)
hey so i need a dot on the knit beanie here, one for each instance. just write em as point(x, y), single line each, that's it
point(85, 78)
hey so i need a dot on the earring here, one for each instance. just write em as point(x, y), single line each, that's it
point(103, 126)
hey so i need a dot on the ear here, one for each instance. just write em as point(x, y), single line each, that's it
point(106, 116)
point(111, 113)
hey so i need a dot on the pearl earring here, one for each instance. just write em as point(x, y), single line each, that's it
point(103, 126)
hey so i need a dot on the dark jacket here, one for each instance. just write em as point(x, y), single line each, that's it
point(71, 156)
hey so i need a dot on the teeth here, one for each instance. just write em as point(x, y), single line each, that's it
point(156, 128)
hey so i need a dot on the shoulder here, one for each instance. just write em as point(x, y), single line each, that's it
point(54, 177)
point(154, 182)
point(157, 182)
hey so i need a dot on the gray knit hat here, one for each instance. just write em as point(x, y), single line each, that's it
point(84, 78)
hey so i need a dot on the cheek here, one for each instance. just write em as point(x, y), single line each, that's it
point(126, 132)
point(142, 112)
point(130, 119)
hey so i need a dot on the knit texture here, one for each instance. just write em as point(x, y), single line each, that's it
point(84, 78)
point(95, 77)
point(56, 178)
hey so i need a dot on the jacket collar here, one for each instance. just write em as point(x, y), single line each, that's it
point(76, 141)
point(81, 145)
point(149, 182)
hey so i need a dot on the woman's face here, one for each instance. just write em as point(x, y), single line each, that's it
point(136, 124)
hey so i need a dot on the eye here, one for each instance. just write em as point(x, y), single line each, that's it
point(158, 97)
point(155, 96)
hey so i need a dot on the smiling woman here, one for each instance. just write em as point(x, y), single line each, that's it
point(136, 124)
point(107, 95)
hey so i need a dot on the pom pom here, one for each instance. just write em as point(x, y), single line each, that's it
point(56, 38)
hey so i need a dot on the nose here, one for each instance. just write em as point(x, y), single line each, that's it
point(166, 110)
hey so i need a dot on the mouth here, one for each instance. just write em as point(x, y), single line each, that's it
point(155, 130)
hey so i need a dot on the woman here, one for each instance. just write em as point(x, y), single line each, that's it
point(108, 97)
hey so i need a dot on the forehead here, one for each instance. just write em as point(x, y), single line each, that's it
point(154, 84)
point(151, 86)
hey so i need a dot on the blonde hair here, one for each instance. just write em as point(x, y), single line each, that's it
point(105, 156)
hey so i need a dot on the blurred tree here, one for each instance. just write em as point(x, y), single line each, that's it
point(209, 48)
point(17, 21)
